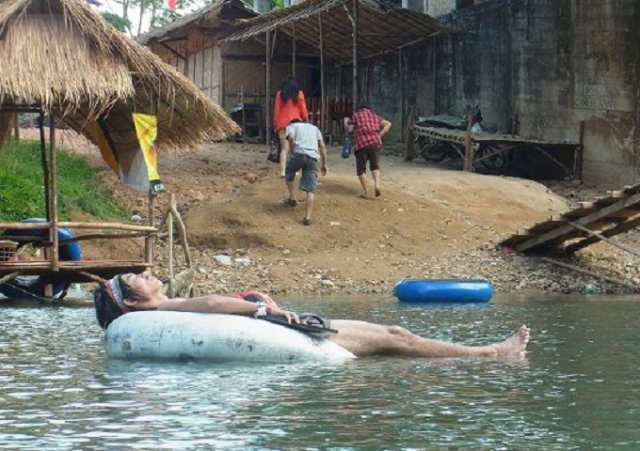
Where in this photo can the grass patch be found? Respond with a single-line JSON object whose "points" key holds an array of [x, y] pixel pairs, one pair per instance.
{"points": [[22, 185]]}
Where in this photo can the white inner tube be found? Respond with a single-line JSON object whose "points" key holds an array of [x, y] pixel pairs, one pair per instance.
{"points": [[165, 335]]}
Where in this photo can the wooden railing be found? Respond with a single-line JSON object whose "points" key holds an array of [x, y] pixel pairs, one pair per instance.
{"points": [[71, 270]]}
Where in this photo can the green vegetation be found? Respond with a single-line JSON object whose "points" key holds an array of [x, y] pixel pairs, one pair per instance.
{"points": [[22, 185]]}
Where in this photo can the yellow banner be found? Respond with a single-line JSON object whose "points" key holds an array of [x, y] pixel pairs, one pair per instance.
{"points": [[147, 131]]}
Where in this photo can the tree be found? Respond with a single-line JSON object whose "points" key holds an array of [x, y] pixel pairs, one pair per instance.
{"points": [[120, 23]]}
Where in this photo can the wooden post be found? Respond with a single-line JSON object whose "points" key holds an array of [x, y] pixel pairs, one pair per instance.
{"points": [[45, 165], [53, 198], [149, 242], [435, 76], [170, 245], [16, 127], [468, 147], [401, 89], [577, 154], [408, 156], [323, 107], [293, 49], [244, 117], [268, 86], [356, 7]]}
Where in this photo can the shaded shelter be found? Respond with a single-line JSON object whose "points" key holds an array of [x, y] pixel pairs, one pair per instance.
{"points": [[232, 73], [345, 31], [62, 59]]}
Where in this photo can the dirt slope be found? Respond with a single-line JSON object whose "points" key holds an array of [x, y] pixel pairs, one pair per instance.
{"points": [[429, 222]]}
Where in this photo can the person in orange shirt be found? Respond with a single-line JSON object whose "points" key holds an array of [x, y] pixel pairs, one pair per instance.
{"points": [[290, 105]]}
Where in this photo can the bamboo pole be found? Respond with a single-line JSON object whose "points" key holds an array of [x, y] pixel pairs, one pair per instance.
{"points": [[9, 277], [244, 115], [77, 225], [268, 86], [54, 194], [401, 89], [605, 239], [182, 232], [148, 241], [171, 293], [589, 273], [323, 107], [43, 160], [92, 277], [355, 54], [16, 127], [468, 147], [409, 152], [293, 49], [94, 237]]}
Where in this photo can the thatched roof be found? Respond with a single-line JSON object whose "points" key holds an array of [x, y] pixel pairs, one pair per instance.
{"points": [[381, 30], [64, 56], [210, 14]]}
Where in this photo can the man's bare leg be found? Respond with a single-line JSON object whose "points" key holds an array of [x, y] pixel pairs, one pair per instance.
{"points": [[367, 339], [376, 181], [363, 183], [284, 153], [311, 197]]}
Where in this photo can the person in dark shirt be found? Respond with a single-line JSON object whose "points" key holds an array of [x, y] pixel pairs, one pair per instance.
{"points": [[367, 129]]}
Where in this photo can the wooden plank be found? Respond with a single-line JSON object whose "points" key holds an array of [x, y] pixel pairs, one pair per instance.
{"points": [[626, 213], [544, 227], [585, 220], [622, 228]]}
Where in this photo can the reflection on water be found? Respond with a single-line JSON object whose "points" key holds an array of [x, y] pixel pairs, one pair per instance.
{"points": [[577, 389]]}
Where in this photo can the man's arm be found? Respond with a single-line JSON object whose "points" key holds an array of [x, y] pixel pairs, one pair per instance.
{"points": [[323, 156], [214, 303], [291, 139], [385, 125]]}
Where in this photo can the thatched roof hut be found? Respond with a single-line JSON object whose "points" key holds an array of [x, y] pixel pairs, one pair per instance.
{"points": [[64, 57]]}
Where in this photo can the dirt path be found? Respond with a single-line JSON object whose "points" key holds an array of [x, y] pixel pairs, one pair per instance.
{"points": [[429, 222]]}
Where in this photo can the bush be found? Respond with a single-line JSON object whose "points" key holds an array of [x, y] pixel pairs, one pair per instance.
{"points": [[22, 185]]}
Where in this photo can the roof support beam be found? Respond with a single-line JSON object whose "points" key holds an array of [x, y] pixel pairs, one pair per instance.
{"points": [[354, 23], [175, 52], [267, 102]]}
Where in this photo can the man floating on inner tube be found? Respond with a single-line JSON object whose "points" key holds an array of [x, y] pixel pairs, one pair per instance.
{"points": [[135, 292]]}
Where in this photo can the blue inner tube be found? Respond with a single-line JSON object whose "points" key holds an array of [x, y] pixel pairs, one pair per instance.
{"points": [[33, 287], [443, 290]]}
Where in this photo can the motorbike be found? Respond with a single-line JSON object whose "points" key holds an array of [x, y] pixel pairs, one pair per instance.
{"points": [[436, 150]]}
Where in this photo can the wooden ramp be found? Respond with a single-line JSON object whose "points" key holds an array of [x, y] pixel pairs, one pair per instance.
{"points": [[590, 223]]}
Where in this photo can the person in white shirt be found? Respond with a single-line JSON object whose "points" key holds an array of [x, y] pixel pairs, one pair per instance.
{"points": [[310, 156]]}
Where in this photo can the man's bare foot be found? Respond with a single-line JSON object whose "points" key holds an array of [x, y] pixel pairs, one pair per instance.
{"points": [[515, 345]]}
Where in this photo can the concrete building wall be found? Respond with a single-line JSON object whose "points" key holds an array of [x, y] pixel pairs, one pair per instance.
{"points": [[437, 8], [538, 68]]}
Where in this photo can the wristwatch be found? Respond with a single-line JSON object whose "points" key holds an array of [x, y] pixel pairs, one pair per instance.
{"points": [[262, 309]]}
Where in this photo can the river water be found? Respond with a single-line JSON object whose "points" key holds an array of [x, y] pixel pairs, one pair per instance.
{"points": [[578, 388]]}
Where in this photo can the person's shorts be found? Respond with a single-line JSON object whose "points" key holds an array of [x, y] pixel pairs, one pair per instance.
{"points": [[371, 153], [310, 168], [282, 133]]}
